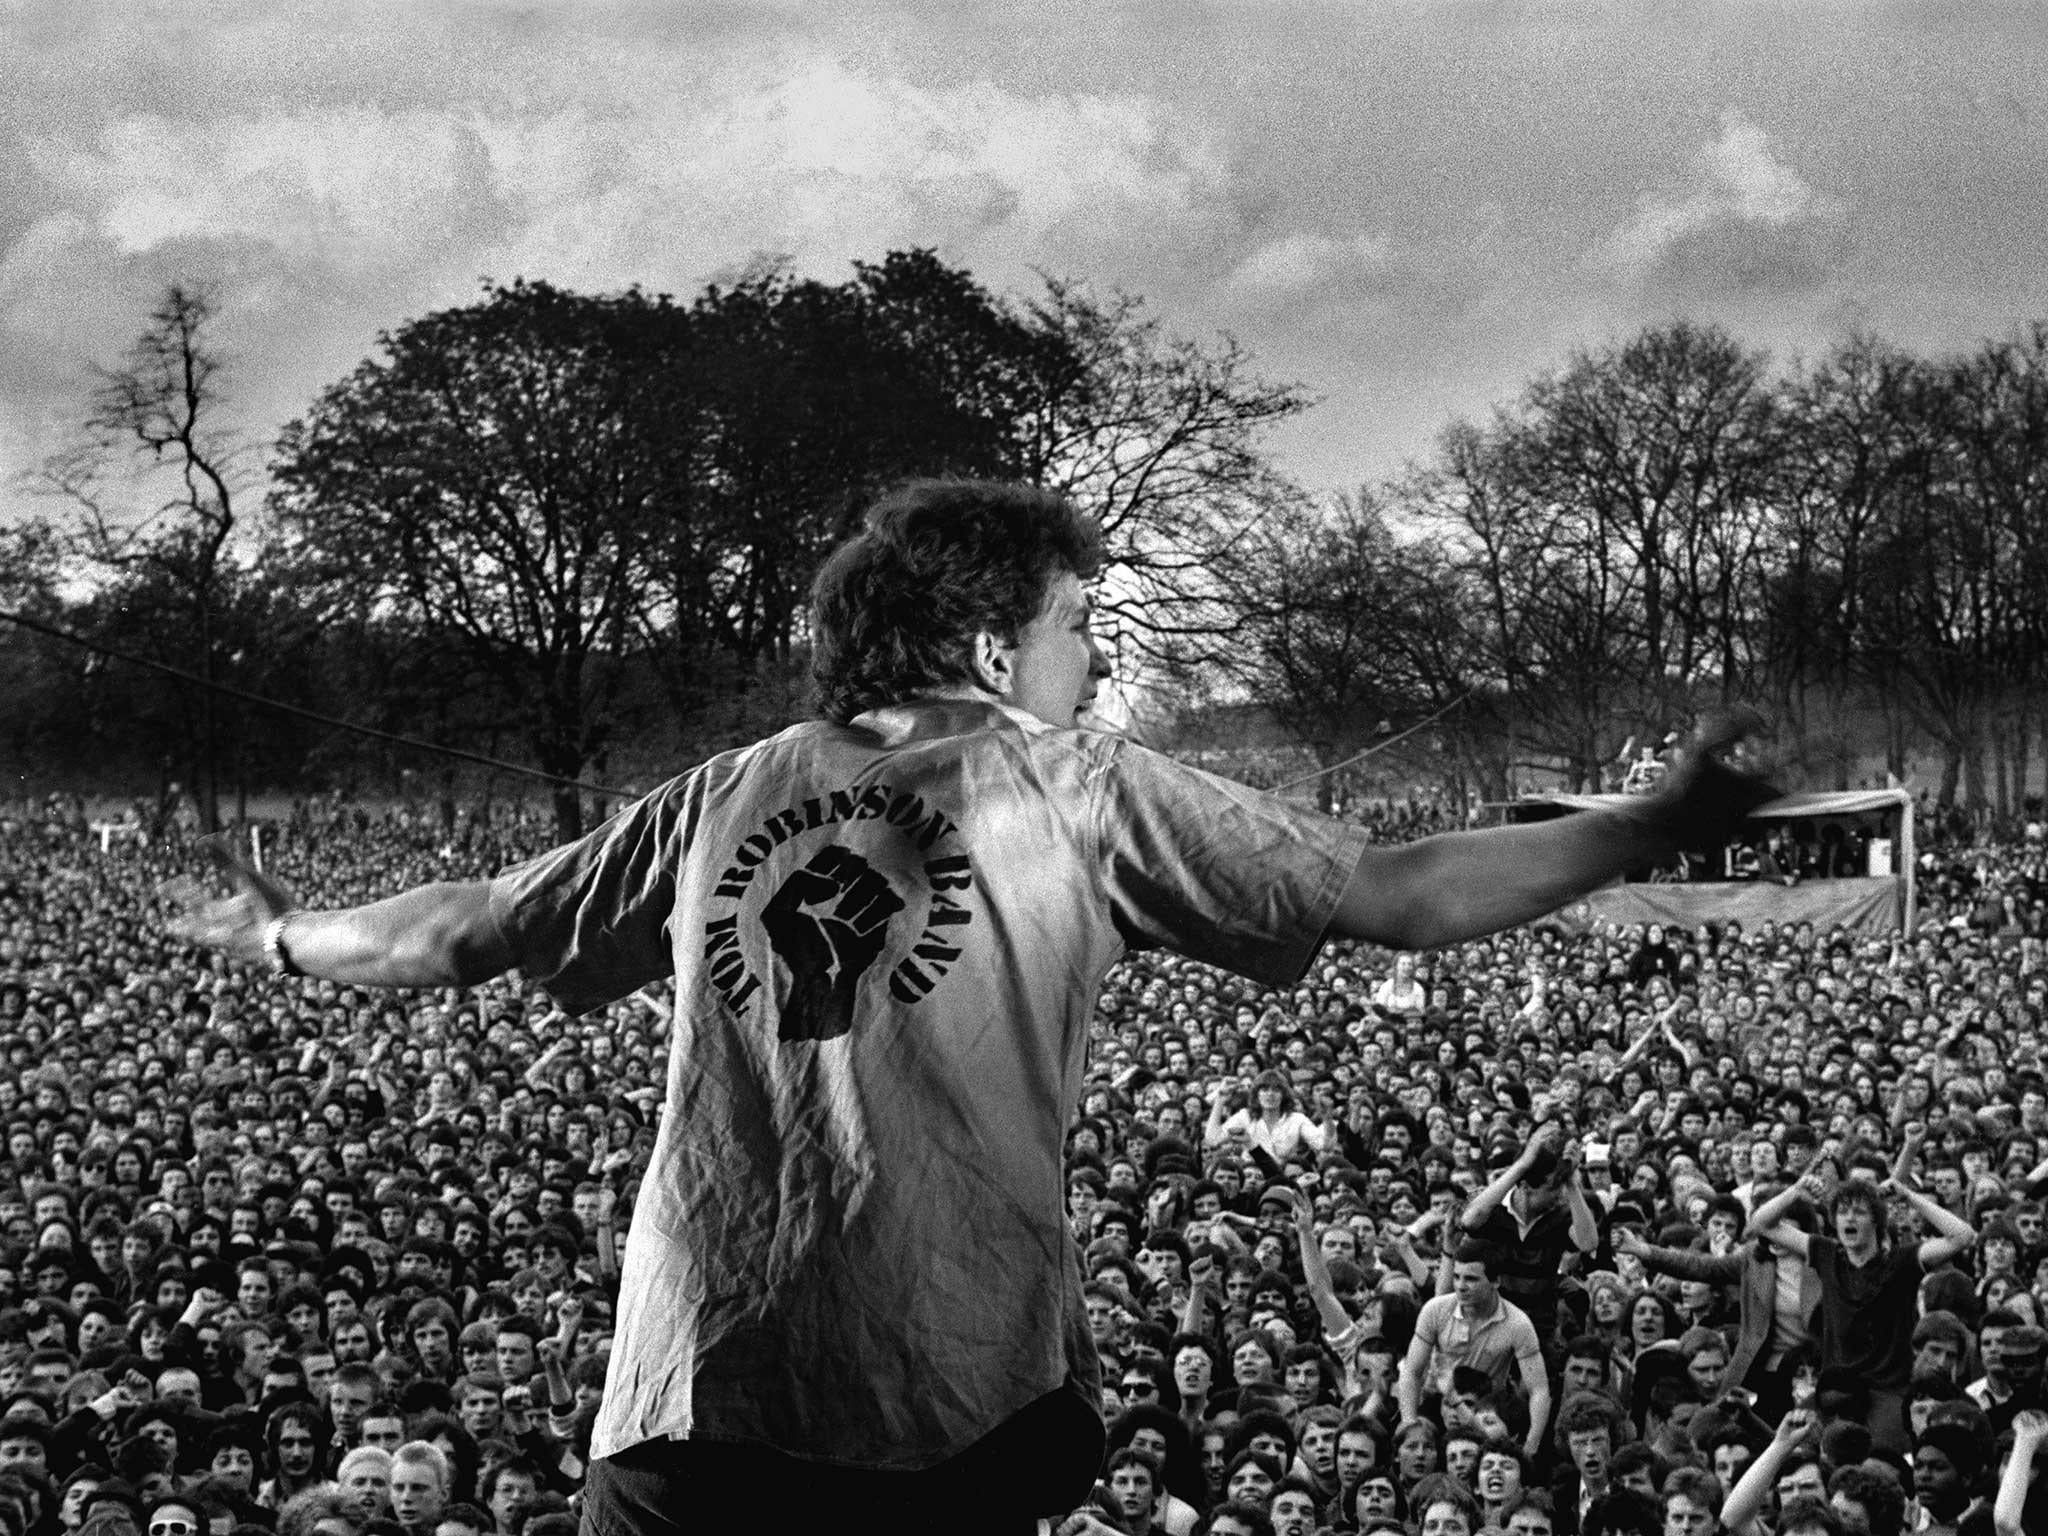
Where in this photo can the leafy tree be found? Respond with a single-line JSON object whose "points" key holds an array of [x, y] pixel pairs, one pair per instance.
{"points": [[499, 479], [583, 494], [805, 400], [38, 705]]}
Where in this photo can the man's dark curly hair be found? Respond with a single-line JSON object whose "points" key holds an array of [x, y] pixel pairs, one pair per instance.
{"points": [[895, 610]]}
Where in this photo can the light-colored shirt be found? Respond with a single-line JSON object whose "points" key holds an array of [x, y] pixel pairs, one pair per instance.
{"points": [[1400, 997], [1282, 1138], [1493, 1343], [1788, 1318], [887, 940]]}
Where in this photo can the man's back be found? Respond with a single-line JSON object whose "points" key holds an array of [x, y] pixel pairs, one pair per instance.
{"points": [[887, 939], [868, 1081]]}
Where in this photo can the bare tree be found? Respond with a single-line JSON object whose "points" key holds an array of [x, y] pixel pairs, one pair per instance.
{"points": [[1162, 439], [1846, 458], [1344, 631], [1556, 648], [152, 479]]}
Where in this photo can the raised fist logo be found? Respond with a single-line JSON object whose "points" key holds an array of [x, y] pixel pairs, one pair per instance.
{"points": [[827, 923]]}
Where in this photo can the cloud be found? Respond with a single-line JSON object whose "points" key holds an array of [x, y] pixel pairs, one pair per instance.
{"points": [[1743, 219], [825, 162], [348, 186], [830, 163], [1310, 264], [1541, 177], [319, 222]]}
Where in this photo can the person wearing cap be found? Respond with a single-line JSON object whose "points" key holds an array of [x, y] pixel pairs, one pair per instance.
{"points": [[1597, 1175], [849, 1204]]}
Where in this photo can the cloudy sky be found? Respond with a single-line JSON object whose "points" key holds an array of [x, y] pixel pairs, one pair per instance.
{"points": [[1410, 209]]}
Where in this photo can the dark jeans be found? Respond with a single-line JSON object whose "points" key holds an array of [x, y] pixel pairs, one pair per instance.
{"points": [[1773, 1389], [1039, 1463]]}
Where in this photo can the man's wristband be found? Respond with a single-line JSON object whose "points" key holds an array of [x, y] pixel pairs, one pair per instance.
{"points": [[274, 951]]}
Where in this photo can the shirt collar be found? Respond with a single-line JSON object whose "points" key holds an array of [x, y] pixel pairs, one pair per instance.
{"points": [[932, 719]]}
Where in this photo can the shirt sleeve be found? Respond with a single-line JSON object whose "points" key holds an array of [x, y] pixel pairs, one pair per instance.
{"points": [[1429, 1324], [1237, 1128], [1216, 870], [588, 919]]}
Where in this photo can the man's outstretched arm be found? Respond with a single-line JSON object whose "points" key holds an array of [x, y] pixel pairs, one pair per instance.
{"points": [[439, 935], [1459, 885]]}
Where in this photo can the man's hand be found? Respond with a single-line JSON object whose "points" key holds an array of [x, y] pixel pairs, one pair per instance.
{"points": [[205, 1303], [1703, 802], [1301, 1210], [2030, 1428], [1909, 1149], [117, 1399], [1085, 1522], [1629, 1241], [517, 1401], [1797, 1424], [234, 923]]}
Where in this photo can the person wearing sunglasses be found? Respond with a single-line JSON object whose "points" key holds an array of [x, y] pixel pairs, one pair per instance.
{"points": [[1147, 1381], [176, 1517]]}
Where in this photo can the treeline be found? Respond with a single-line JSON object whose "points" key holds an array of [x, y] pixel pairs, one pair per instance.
{"points": [[577, 530], [580, 529], [1858, 545]]}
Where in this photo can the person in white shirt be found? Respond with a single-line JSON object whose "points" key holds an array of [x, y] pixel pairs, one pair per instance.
{"points": [[1401, 992], [1271, 1123], [1475, 1325]]}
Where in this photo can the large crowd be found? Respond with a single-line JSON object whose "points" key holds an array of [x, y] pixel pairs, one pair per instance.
{"points": [[1558, 1234]]}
